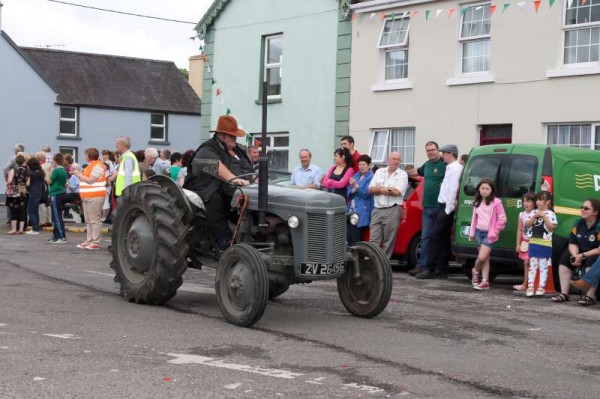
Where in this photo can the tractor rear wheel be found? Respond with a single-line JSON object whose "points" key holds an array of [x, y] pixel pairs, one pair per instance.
{"points": [[149, 243], [242, 284], [368, 295]]}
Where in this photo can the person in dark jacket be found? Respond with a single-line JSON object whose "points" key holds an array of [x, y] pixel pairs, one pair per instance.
{"points": [[36, 187], [216, 194]]}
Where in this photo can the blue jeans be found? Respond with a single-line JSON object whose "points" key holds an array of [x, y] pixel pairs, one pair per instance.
{"points": [[592, 275], [56, 203], [428, 221], [33, 212]]}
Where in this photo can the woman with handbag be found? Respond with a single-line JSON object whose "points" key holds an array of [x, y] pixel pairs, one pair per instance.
{"points": [[16, 195], [36, 187]]}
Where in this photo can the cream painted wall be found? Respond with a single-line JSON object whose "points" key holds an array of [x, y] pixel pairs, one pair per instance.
{"points": [[524, 46]]}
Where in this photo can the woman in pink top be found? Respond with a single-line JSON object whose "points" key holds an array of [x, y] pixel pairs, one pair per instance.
{"points": [[338, 177], [489, 219]]}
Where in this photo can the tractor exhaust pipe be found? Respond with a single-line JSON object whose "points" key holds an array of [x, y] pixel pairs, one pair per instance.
{"points": [[263, 163]]}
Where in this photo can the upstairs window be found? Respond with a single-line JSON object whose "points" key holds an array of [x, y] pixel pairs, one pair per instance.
{"points": [[475, 38], [393, 41], [384, 141], [273, 62], [158, 127], [586, 135], [582, 31], [68, 121]]}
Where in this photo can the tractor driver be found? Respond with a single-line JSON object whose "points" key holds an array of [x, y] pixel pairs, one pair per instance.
{"points": [[217, 195]]}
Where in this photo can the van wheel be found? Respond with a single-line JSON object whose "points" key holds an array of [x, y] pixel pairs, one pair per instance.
{"points": [[469, 265], [414, 251]]}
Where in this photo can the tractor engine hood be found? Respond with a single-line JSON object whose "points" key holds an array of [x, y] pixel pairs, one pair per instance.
{"points": [[307, 200]]}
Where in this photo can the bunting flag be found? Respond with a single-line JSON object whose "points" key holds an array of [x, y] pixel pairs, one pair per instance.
{"points": [[521, 5], [492, 9], [372, 15], [583, 2], [438, 12], [393, 15], [505, 7], [218, 92], [382, 16], [427, 12], [415, 14], [536, 4], [551, 2], [354, 16], [570, 3], [213, 80], [451, 12], [228, 112], [204, 57], [463, 10]]}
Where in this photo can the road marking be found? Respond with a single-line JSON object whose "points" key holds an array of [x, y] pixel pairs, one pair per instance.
{"points": [[209, 361], [233, 386], [2, 325], [38, 378], [365, 388], [100, 273], [62, 336]]}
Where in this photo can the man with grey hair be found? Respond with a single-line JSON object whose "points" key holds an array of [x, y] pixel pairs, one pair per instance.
{"points": [[49, 154], [306, 175], [11, 164], [388, 187], [128, 171], [150, 156], [162, 162]]}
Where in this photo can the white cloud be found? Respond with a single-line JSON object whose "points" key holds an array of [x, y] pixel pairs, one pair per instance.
{"points": [[45, 23]]}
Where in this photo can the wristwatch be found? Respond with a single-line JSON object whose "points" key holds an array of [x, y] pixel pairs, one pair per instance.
{"points": [[583, 257]]}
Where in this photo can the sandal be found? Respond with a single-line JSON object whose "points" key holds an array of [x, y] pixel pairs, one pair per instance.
{"points": [[560, 298], [586, 301], [530, 292], [520, 287]]}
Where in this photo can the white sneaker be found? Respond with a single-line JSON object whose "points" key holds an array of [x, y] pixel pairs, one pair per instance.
{"points": [[32, 232]]}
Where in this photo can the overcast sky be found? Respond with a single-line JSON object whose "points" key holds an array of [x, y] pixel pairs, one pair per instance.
{"points": [[42, 23]]}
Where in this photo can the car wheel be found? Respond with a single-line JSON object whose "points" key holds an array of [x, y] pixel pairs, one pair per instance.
{"points": [[414, 251]]}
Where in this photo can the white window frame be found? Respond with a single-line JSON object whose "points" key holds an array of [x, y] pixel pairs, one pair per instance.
{"points": [[594, 134], [393, 84], [74, 151], [388, 132], [163, 126], [575, 27], [273, 65], [462, 40], [271, 142], [68, 120]]}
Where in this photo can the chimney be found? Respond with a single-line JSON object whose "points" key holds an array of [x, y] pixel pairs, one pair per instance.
{"points": [[195, 76]]}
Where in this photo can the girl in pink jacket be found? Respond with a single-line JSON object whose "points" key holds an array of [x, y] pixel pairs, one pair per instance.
{"points": [[489, 219]]}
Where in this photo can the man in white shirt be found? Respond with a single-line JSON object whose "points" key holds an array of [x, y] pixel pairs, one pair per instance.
{"points": [[439, 240], [306, 175], [388, 187]]}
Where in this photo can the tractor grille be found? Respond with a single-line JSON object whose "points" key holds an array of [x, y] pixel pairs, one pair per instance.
{"points": [[326, 238]]}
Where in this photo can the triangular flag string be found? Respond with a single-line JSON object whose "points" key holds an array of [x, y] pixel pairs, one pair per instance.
{"points": [[551, 2], [536, 4], [451, 12], [492, 9], [505, 7]]}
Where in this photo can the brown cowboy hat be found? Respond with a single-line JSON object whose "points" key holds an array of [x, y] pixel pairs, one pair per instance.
{"points": [[228, 125]]}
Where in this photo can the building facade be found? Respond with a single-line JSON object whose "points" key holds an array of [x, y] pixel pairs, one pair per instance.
{"points": [[302, 48], [73, 101], [473, 73]]}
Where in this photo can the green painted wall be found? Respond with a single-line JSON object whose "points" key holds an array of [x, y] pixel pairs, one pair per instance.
{"points": [[308, 109]]}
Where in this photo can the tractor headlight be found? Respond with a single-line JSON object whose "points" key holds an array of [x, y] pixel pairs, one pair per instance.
{"points": [[293, 222], [353, 218]]}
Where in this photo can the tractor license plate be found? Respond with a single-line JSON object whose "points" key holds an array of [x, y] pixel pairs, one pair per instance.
{"points": [[322, 269]]}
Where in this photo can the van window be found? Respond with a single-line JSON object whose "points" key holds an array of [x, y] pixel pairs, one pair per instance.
{"points": [[480, 167], [521, 173]]}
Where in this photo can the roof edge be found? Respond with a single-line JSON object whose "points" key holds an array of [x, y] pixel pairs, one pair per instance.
{"points": [[210, 16], [28, 60], [96, 54]]}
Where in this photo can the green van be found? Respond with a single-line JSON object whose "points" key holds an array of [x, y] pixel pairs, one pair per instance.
{"points": [[571, 174]]}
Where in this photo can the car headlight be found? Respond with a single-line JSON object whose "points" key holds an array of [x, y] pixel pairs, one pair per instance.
{"points": [[354, 218], [293, 222]]}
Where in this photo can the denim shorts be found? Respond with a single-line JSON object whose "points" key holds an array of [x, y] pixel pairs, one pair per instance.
{"points": [[481, 238]]}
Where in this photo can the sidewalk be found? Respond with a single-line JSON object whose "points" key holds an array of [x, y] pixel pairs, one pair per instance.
{"points": [[69, 227]]}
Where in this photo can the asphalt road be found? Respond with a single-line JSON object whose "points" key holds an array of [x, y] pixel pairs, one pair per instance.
{"points": [[65, 332]]}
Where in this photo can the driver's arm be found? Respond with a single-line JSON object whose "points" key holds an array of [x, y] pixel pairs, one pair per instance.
{"points": [[225, 173]]}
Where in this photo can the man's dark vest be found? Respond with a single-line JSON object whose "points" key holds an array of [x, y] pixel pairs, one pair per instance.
{"points": [[206, 185]]}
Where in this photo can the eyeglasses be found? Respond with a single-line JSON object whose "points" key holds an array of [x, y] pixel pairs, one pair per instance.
{"points": [[585, 208]]}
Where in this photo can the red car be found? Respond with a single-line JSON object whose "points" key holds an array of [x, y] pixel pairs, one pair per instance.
{"points": [[408, 240]]}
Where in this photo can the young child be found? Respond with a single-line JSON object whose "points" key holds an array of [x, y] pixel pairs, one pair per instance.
{"points": [[523, 235], [489, 219], [542, 225]]}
